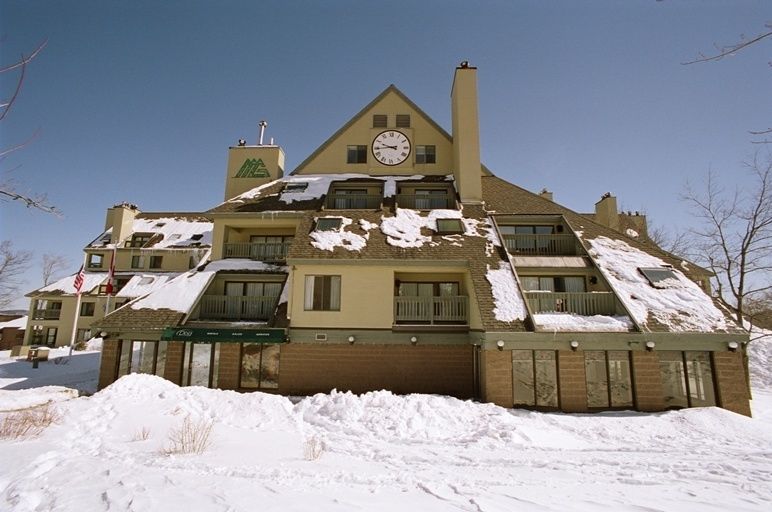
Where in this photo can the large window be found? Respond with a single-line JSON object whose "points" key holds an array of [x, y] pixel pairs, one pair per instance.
{"points": [[608, 378], [95, 261], [251, 300], [430, 199], [425, 154], [687, 379], [200, 364], [440, 289], [322, 293], [553, 284], [259, 366], [51, 336], [269, 248], [535, 378], [139, 240], [356, 154], [142, 357]]}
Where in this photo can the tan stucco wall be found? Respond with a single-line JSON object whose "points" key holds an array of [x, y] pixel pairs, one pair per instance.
{"points": [[272, 157]]}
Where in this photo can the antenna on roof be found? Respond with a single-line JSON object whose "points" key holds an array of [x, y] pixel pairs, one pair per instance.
{"points": [[262, 124]]}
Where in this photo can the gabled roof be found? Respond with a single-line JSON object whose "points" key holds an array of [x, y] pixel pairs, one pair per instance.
{"points": [[169, 231]]}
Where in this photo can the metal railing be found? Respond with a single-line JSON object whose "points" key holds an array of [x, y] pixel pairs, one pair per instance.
{"points": [[46, 314], [432, 310], [425, 202], [224, 307], [352, 202], [260, 251], [584, 304], [543, 245]]}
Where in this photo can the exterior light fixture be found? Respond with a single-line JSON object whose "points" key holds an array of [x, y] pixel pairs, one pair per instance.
{"points": [[500, 344], [733, 345], [650, 345], [574, 345], [351, 339], [413, 340]]}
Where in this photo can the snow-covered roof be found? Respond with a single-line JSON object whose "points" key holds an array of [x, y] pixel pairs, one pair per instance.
{"points": [[171, 232], [142, 284], [576, 323], [66, 285], [509, 303], [681, 305], [18, 323]]}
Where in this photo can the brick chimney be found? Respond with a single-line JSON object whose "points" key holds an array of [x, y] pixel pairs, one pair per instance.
{"points": [[466, 134], [606, 211]]}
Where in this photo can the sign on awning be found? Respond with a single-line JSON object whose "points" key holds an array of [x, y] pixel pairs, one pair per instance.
{"points": [[198, 334]]}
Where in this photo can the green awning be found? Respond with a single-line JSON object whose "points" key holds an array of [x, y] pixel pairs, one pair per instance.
{"points": [[197, 334]]}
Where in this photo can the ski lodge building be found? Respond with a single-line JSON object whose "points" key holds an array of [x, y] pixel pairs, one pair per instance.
{"points": [[391, 258]]}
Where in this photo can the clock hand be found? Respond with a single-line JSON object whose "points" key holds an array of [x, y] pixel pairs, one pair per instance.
{"points": [[385, 146]]}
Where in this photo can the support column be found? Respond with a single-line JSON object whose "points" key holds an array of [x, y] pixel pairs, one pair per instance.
{"points": [[496, 377], [573, 382], [647, 382], [108, 365], [175, 351], [729, 374], [228, 368]]}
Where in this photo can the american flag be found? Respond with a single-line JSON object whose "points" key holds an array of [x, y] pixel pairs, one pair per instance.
{"points": [[78, 283]]}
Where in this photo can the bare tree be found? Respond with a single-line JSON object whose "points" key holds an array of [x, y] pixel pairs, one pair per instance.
{"points": [[13, 263], [8, 188], [53, 266], [727, 50], [735, 239], [673, 242]]}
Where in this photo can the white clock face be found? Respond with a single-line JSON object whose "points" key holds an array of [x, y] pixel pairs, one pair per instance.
{"points": [[391, 147]]}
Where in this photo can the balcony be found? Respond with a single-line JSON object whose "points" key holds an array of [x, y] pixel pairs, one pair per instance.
{"points": [[338, 201], [431, 310], [237, 308], [584, 304], [260, 251], [542, 245], [46, 314], [426, 201]]}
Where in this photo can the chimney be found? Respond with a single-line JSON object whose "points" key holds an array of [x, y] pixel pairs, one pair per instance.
{"points": [[467, 169], [121, 218], [546, 194], [252, 166], [606, 211]]}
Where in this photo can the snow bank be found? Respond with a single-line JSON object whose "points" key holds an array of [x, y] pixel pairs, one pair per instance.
{"points": [[509, 304], [26, 398], [681, 304], [575, 323]]}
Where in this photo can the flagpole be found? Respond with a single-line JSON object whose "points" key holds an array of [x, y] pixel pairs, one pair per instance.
{"points": [[110, 279], [78, 288], [75, 322]]}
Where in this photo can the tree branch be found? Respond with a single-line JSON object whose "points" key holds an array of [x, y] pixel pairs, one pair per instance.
{"points": [[724, 51]]}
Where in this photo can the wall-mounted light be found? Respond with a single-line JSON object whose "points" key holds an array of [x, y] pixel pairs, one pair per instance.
{"points": [[500, 344], [413, 340], [103, 334], [574, 345], [650, 345], [733, 346], [593, 280], [351, 339]]}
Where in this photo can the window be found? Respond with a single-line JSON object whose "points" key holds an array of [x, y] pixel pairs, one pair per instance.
{"points": [[349, 199], [197, 236], [259, 366], [328, 223], [146, 280], [139, 240], [403, 120], [426, 199], [439, 289], [296, 186], [449, 226], [322, 293], [174, 236], [608, 380], [535, 378], [200, 364], [379, 120], [660, 277], [356, 154], [95, 260], [83, 335], [51, 336], [687, 379], [425, 154], [156, 261], [572, 284], [37, 335], [137, 262], [120, 282], [251, 300], [142, 357], [47, 310], [87, 309], [269, 247]]}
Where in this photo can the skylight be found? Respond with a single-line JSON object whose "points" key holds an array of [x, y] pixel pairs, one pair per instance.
{"points": [[299, 186], [449, 226], [659, 277], [328, 223]]}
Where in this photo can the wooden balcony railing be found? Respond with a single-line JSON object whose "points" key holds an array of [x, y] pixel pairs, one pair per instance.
{"points": [[542, 245], [425, 202], [223, 307], [352, 202], [260, 251], [431, 310], [46, 314], [584, 304]]}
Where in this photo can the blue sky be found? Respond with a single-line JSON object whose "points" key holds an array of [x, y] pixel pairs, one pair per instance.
{"points": [[138, 101]]}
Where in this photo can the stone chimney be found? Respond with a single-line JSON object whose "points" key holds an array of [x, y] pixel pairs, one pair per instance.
{"points": [[467, 169], [121, 218], [252, 166], [606, 211]]}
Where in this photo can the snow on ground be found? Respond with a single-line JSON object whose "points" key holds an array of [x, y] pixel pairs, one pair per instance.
{"points": [[680, 304], [380, 452], [80, 371]]}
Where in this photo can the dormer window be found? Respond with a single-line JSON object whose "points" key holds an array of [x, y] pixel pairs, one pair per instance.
{"points": [[95, 260], [403, 120], [297, 186], [197, 237], [140, 239], [174, 236], [351, 196], [328, 223], [659, 277], [160, 224]]}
